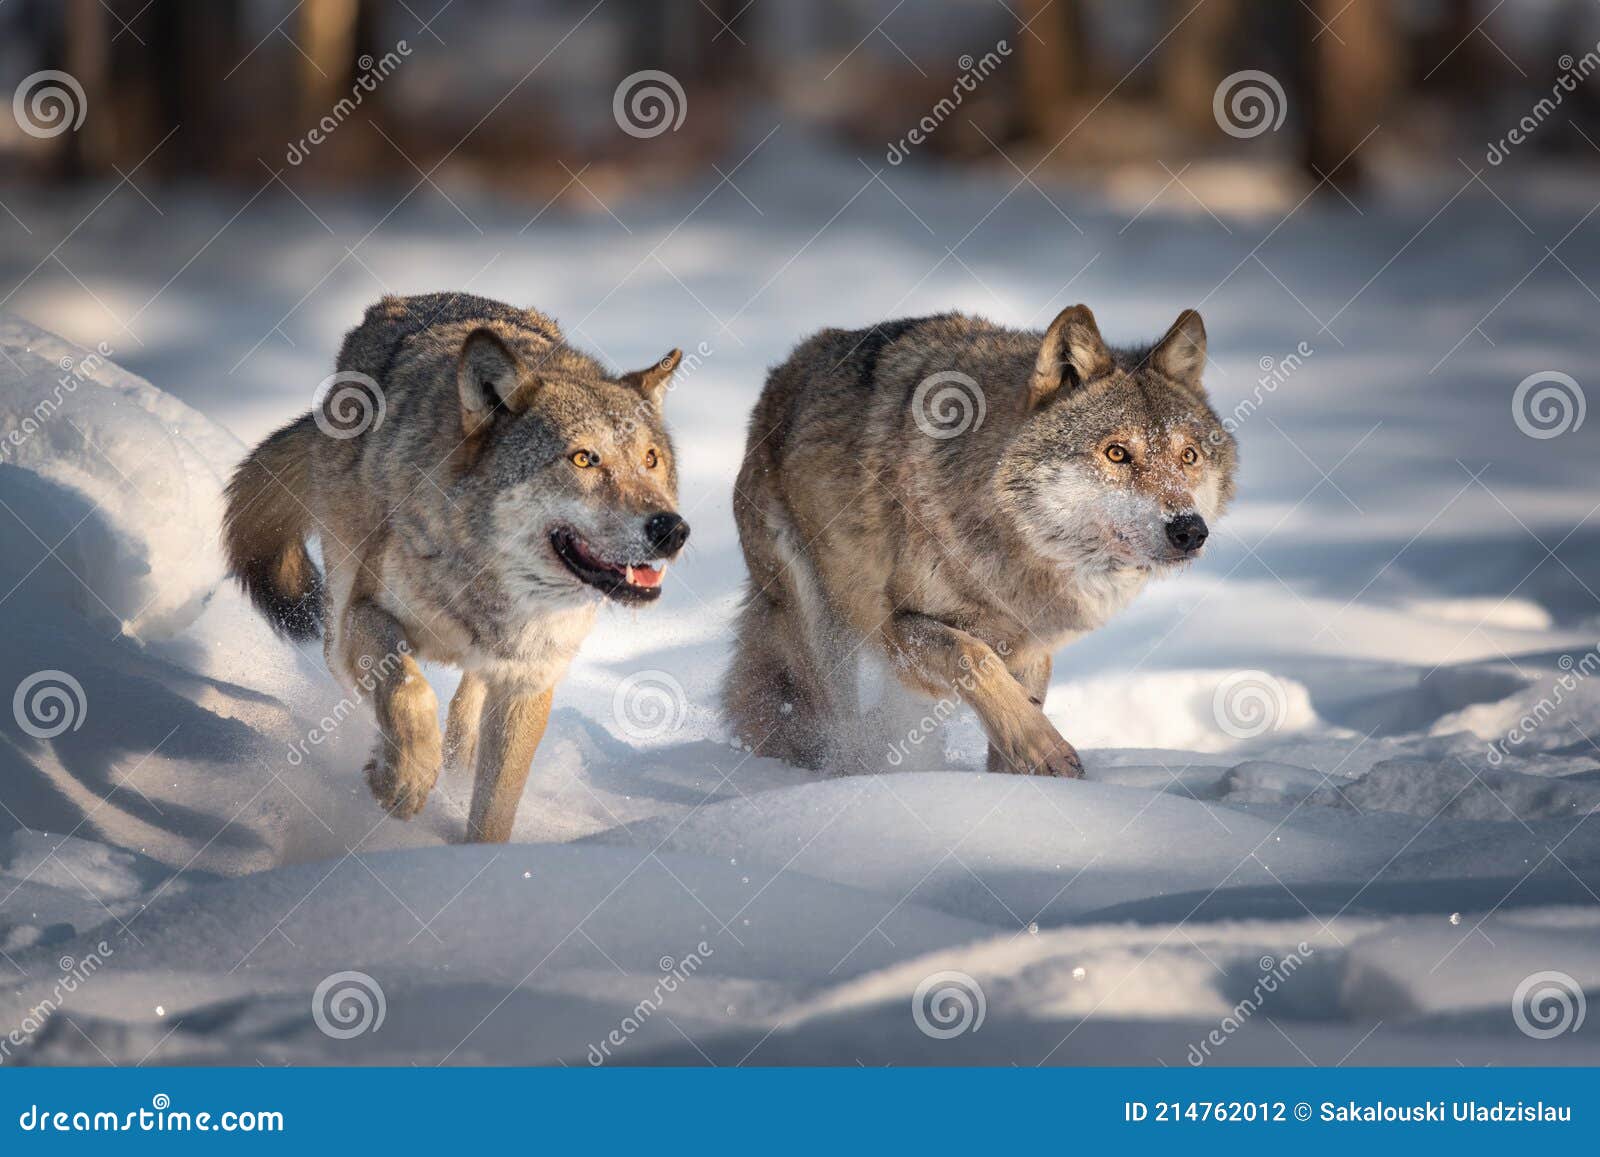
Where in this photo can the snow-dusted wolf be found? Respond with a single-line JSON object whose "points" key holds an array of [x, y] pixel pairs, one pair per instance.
{"points": [[960, 499], [478, 488]]}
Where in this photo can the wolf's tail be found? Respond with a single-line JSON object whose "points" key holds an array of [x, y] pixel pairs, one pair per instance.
{"points": [[264, 531]]}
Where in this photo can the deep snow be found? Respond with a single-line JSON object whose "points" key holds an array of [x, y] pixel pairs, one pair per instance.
{"points": [[1405, 577]]}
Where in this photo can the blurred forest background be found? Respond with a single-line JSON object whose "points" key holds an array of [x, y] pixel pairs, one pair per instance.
{"points": [[475, 92]]}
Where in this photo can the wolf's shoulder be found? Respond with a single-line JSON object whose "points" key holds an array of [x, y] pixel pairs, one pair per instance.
{"points": [[431, 325], [417, 312], [852, 357]]}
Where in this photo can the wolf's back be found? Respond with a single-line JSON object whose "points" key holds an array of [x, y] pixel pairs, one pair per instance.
{"points": [[265, 527]]}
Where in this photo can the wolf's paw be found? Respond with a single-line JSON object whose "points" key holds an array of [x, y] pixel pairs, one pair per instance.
{"points": [[1061, 762], [400, 787], [1045, 753]]}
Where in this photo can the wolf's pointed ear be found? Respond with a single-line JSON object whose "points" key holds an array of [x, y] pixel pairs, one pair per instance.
{"points": [[487, 375], [652, 382], [1072, 352], [1181, 355]]}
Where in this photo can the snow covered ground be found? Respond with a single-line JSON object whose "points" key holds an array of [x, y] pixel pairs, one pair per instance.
{"points": [[1340, 772]]}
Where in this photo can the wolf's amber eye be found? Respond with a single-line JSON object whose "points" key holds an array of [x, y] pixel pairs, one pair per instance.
{"points": [[1190, 456], [1117, 453], [584, 459], [651, 460]]}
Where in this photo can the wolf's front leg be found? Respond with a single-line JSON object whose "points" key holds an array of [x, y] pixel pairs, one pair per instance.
{"points": [[514, 719], [405, 766], [941, 660], [1032, 673], [462, 722]]}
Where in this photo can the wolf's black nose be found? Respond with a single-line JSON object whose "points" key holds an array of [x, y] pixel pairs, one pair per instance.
{"points": [[1187, 532], [667, 532]]}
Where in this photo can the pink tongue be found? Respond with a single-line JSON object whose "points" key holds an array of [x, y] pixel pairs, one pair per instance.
{"points": [[642, 576]]}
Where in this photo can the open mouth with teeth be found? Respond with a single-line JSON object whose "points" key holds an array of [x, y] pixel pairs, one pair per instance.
{"points": [[626, 582]]}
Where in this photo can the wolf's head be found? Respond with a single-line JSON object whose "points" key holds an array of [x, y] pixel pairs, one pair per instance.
{"points": [[575, 468], [1120, 461]]}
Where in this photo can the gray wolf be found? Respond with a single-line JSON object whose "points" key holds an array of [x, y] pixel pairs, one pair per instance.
{"points": [[959, 500], [479, 488]]}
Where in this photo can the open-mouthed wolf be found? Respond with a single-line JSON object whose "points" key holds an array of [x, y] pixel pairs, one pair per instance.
{"points": [[478, 488], [960, 500]]}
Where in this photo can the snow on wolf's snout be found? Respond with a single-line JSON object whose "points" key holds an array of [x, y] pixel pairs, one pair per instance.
{"points": [[479, 488], [960, 499]]}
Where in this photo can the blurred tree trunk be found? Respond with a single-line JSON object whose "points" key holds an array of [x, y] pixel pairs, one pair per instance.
{"points": [[1195, 61], [88, 61], [190, 54], [328, 30], [1353, 67], [1051, 50]]}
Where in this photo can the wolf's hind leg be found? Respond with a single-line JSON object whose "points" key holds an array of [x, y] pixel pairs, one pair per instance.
{"points": [[774, 694], [462, 720], [783, 694], [405, 765], [514, 719]]}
